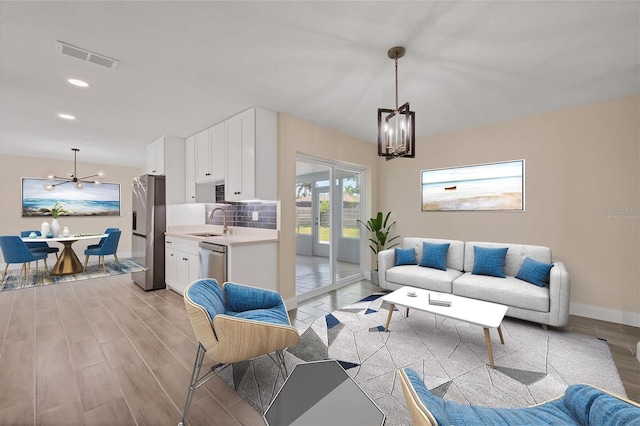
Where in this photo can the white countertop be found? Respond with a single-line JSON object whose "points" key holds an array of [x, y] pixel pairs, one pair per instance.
{"points": [[238, 235]]}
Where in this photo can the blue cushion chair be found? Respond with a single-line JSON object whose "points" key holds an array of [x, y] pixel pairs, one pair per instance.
{"points": [[103, 239], [580, 405], [39, 246], [235, 323], [110, 246], [14, 250]]}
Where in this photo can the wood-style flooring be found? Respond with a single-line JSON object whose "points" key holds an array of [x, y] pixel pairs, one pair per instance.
{"points": [[104, 352]]}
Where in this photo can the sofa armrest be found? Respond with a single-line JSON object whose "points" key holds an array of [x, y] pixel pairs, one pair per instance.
{"points": [[386, 260], [559, 295]]}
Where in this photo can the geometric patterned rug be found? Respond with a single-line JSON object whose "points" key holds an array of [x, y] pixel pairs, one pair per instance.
{"points": [[15, 278], [533, 365]]}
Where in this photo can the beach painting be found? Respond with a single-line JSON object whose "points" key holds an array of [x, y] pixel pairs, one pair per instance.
{"points": [[92, 200], [494, 186]]}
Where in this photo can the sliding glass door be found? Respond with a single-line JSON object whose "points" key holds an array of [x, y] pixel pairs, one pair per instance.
{"points": [[328, 240]]}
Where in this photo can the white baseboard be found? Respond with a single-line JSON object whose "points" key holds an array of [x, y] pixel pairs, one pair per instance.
{"points": [[291, 303], [605, 314]]}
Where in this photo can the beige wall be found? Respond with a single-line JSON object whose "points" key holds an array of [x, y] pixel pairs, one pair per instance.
{"points": [[12, 168], [582, 167], [297, 136]]}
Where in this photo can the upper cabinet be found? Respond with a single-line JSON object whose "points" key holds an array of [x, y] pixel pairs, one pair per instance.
{"points": [[251, 153], [156, 157], [190, 170], [166, 157], [210, 154]]}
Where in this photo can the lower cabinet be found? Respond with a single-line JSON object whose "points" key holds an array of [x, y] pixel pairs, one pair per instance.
{"points": [[181, 263]]}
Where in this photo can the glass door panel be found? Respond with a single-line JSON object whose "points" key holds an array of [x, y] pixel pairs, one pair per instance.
{"points": [[347, 212]]}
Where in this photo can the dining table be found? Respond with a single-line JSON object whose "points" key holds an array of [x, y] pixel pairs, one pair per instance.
{"points": [[68, 262]]}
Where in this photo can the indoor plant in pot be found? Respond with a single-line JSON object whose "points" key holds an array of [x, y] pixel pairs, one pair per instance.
{"points": [[380, 228], [57, 210]]}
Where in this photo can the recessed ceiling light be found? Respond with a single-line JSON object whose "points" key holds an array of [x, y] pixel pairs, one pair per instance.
{"points": [[78, 83], [66, 116]]}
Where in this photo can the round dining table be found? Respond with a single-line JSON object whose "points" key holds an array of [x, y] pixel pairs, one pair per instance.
{"points": [[68, 262]]}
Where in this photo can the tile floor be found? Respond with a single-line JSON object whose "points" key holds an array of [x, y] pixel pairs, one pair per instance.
{"points": [[104, 352]]}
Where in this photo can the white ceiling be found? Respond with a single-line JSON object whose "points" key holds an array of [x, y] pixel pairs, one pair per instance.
{"points": [[187, 65]]}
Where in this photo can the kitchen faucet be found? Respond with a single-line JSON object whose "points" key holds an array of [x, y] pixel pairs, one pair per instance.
{"points": [[225, 228]]}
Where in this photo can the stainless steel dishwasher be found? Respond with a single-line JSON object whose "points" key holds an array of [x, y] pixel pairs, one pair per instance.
{"points": [[213, 261]]}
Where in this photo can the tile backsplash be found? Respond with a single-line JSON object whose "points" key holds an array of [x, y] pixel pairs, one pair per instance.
{"points": [[241, 214]]}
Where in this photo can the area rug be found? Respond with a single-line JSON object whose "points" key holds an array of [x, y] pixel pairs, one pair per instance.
{"points": [[533, 365], [15, 278]]}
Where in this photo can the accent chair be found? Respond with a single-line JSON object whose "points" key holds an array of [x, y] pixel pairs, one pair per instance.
{"points": [[233, 323], [39, 246], [580, 405], [110, 246], [14, 250], [103, 239]]}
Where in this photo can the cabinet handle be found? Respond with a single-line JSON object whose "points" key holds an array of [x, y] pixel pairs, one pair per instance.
{"points": [[207, 174], [193, 196], [237, 193], [184, 258]]}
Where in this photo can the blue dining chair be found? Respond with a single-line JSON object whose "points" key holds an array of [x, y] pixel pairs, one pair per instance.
{"points": [[39, 246], [14, 250], [110, 246], [103, 239]]}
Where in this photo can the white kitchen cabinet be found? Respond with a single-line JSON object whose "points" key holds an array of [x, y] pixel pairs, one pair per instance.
{"points": [[169, 263], [210, 154], [156, 157], [251, 154], [183, 264], [166, 157], [190, 170]]}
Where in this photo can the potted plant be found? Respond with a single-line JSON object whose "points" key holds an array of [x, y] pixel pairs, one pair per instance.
{"points": [[380, 228], [57, 210]]}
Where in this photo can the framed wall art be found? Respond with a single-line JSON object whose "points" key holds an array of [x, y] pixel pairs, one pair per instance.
{"points": [[92, 200], [493, 186]]}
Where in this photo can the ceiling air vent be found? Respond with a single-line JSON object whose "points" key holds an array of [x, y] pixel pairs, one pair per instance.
{"points": [[85, 55]]}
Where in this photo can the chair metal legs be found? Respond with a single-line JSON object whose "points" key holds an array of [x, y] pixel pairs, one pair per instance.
{"points": [[278, 359], [196, 381]]}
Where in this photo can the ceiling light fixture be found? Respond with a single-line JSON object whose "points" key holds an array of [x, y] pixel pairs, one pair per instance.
{"points": [[396, 127], [53, 181], [67, 116], [78, 83]]}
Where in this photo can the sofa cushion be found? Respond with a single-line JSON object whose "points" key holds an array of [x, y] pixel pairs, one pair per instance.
{"points": [[591, 406], [534, 272], [508, 291], [489, 261], [427, 278], [405, 256], [455, 254], [515, 255], [434, 255]]}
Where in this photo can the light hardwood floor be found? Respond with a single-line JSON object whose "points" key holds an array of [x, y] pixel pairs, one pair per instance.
{"points": [[105, 352]]}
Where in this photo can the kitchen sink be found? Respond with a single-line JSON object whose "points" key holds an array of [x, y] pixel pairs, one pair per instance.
{"points": [[205, 234]]}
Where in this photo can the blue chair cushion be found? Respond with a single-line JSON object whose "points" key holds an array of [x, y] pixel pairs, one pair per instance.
{"points": [[581, 405], [434, 255], [208, 294], [489, 261], [534, 272], [591, 406], [255, 304]]}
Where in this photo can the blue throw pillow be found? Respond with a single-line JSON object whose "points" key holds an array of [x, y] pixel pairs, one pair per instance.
{"points": [[434, 255], [405, 256], [489, 261], [534, 272]]}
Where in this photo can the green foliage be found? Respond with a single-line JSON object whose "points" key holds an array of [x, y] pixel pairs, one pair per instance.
{"points": [[58, 209], [380, 229], [325, 206]]}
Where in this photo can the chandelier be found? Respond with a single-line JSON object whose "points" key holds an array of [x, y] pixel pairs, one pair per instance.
{"points": [[396, 127], [54, 181]]}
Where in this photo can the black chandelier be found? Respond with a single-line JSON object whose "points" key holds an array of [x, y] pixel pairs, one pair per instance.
{"points": [[396, 127], [53, 181]]}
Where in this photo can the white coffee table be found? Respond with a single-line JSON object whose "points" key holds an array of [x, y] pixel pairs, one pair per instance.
{"points": [[485, 314]]}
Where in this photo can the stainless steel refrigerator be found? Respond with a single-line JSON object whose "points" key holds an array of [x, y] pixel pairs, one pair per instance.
{"points": [[148, 225]]}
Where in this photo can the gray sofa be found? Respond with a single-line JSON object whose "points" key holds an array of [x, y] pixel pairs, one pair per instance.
{"points": [[548, 305]]}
